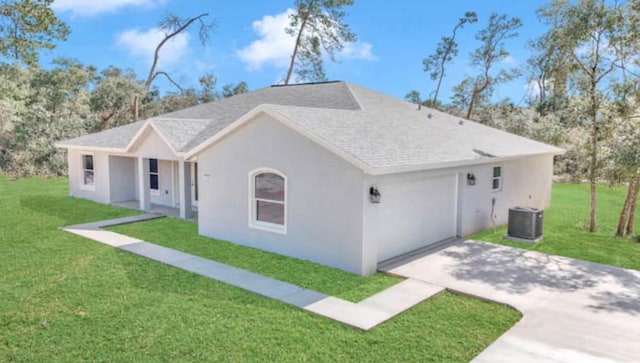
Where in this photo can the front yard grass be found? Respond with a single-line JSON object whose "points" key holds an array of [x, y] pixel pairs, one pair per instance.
{"points": [[65, 298], [183, 236], [566, 228]]}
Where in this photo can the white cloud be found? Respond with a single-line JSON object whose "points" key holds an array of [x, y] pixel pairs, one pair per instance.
{"points": [[358, 51], [142, 44], [94, 7], [509, 60], [274, 45]]}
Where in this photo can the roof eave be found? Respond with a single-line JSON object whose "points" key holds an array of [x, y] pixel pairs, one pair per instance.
{"points": [[89, 148], [457, 163]]}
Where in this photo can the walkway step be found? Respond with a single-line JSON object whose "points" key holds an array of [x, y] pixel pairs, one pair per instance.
{"points": [[346, 312], [402, 296]]}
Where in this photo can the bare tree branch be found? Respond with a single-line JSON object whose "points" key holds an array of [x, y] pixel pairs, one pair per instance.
{"points": [[180, 27], [163, 73]]}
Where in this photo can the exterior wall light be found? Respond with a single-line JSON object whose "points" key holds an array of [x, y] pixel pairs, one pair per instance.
{"points": [[471, 179], [374, 195]]}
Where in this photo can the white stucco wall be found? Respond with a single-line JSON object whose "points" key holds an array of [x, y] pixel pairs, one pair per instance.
{"points": [[101, 189], [324, 195], [116, 179], [525, 182], [122, 178], [151, 145], [164, 195]]}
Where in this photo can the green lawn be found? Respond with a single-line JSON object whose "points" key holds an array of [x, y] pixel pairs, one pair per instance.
{"points": [[65, 298], [183, 236], [566, 228]]}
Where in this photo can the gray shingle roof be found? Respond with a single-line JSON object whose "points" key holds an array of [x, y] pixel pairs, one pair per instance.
{"points": [[203, 121], [377, 130], [179, 132], [388, 132], [116, 138]]}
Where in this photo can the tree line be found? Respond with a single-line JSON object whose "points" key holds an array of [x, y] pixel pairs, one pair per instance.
{"points": [[585, 76], [584, 70], [39, 106]]}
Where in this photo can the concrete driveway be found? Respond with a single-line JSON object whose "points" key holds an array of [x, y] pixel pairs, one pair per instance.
{"points": [[573, 311]]}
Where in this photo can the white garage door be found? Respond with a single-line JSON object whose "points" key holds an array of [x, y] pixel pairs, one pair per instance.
{"points": [[416, 213]]}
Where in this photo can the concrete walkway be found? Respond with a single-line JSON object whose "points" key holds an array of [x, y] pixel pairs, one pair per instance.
{"points": [[363, 315], [573, 311]]}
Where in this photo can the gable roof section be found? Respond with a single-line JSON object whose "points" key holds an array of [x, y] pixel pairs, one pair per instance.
{"points": [[272, 111], [333, 95], [186, 129], [115, 139]]}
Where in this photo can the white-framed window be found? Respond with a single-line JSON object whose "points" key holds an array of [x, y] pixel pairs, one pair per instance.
{"points": [[154, 176], [268, 200], [88, 173], [496, 180]]}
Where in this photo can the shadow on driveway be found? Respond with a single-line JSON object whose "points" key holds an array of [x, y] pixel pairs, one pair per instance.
{"points": [[519, 271]]}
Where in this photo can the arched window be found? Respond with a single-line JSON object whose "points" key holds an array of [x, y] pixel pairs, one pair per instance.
{"points": [[268, 209]]}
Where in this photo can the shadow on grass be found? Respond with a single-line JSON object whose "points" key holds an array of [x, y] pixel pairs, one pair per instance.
{"points": [[72, 211], [520, 271]]}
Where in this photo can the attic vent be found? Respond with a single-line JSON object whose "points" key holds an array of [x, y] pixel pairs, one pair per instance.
{"points": [[483, 154], [429, 116]]}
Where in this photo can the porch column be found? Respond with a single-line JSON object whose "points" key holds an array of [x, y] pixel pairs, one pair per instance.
{"points": [[144, 191], [185, 189]]}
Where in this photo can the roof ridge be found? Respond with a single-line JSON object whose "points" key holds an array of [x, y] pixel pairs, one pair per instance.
{"points": [[353, 95], [178, 119], [305, 83]]}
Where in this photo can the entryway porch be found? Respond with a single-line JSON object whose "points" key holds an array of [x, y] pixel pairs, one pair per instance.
{"points": [[173, 212]]}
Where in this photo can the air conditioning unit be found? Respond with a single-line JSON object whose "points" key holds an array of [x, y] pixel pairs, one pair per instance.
{"points": [[525, 224]]}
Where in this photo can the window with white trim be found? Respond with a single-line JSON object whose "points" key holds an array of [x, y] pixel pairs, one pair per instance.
{"points": [[154, 176], [268, 200], [496, 180], [88, 173]]}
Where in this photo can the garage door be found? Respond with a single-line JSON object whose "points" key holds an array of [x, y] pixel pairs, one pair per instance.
{"points": [[416, 213]]}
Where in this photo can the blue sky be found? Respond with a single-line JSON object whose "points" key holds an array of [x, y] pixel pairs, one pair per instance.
{"points": [[249, 43]]}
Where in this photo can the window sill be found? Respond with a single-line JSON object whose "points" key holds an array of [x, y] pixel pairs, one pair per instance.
{"points": [[154, 192], [268, 227]]}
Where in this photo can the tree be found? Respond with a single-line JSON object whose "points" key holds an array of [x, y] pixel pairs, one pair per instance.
{"points": [[208, 93], [26, 27], [625, 155], [446, 50], [232, 90], [491, 51], [597, 39], [414, 97], [113, 98], [319, 29], [174, 25], [37, 108]]}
